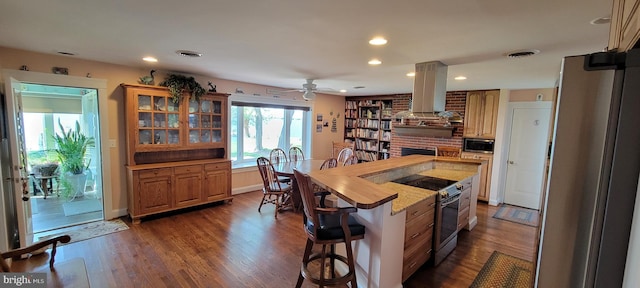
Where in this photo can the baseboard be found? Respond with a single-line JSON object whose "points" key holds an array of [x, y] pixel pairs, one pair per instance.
{"points": [[119, 213], [472, 223], [246, 189], [493, 203]]}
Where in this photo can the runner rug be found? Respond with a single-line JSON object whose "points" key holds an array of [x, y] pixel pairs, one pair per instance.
{"points": [[518, 214], [502, 270], [88, 230]]}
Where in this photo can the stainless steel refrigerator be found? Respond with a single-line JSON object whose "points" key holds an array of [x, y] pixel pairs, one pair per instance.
{"points": [[593, 177]]}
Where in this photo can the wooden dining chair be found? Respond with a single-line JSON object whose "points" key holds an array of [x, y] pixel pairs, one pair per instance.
{"points": [[329, 163], [17, 254], [448, 151], [344, 154], [351, 160], [295, 154], [277, 155], [273, 190], [327, 226]]}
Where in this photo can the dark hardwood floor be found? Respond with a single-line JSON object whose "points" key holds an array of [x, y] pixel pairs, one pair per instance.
{"points": [[232, 245]]}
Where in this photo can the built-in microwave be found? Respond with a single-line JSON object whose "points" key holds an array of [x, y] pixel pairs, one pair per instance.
{"points": [[478, 145]]}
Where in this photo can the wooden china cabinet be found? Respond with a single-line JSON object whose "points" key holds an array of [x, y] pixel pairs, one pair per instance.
{"points": [[176, 152]]}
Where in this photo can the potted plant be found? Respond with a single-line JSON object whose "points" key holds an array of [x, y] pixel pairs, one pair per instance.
{"points": [[71, 149], [178, 84]]}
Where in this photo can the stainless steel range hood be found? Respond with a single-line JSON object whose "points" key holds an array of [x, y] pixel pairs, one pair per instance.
{"points": [[429, 89], [427, 103]]}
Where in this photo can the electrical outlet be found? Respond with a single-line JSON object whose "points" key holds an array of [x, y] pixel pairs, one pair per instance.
{"points": [[539, 97], [112, 143]]}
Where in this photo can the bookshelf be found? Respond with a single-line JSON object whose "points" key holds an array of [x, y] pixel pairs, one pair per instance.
{"points": [[368, 125]]}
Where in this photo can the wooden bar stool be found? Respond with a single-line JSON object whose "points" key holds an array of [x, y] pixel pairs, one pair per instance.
{"points": [[327, 226]]}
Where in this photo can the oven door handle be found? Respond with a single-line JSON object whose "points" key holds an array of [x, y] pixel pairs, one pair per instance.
{"points": [[454, 199]]}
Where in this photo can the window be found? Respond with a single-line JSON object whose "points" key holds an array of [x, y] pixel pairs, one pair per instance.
{"points": [[259, 125]]}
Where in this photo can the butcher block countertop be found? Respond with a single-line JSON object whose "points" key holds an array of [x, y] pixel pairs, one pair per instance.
{"points": [[366, 185]]}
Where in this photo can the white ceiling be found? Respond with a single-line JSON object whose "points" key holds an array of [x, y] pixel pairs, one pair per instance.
{"points": [[282, 42]]}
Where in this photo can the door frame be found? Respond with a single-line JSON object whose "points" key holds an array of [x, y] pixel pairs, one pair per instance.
{"points": [[74, 81], [507, 138]]}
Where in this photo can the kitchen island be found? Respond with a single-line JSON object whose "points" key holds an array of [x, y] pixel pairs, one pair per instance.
{"points": [[382, 207]]}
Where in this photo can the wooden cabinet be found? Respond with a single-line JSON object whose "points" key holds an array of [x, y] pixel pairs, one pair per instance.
{"points": [[418, 236], [625, 25], [485, 173], [481, 114], [368, 125], [217, 181], [175, 151], [154, 188], [188, 188]]}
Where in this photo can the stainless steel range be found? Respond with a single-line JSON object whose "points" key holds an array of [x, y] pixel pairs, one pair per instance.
{"points": [[447, 205]]}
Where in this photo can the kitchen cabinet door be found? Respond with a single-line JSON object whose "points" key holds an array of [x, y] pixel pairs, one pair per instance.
{"points": [[188, 188], [472, 113], [217, 180], [154, 194], [489, 114]]}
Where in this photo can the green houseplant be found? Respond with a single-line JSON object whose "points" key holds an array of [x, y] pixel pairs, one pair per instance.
{"points": [[71, 150], [178, 84]]}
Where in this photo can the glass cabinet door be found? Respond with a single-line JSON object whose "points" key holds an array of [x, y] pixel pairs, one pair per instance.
{"points": [[205, 121], [158, 120]]}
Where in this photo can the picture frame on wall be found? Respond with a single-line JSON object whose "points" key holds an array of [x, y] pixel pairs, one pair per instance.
{"points": [[319, 117], [319, 127]]}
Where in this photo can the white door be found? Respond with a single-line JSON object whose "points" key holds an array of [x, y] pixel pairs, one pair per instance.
{"points": [[527, 154], [20, 175]]}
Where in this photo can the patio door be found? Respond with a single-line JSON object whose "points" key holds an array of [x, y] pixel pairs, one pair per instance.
{"points": [[19, 174], [88, 101]]}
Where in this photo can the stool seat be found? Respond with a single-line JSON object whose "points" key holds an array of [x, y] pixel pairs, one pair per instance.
{"points": [[331, 229]]}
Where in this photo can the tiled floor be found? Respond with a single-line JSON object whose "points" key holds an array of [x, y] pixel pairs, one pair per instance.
{"points": [[48, 214]]}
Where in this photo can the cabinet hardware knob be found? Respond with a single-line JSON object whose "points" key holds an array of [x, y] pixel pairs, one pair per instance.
{"points": [[415, 235], [431, 225]]}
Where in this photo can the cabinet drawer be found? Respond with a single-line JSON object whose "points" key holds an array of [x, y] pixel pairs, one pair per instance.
{"points": [[414, 259], [187, 169], [217, 166], [154, 173], [420, 208], [465, 199], [419, 230], [463, 218]]}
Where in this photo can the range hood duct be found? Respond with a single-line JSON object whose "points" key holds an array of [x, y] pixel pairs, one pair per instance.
{"points": [[429, 89]]}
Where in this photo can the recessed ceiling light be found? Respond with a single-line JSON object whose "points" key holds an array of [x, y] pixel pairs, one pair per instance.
{"points": [[66, 53], [150, 59], [187, 53], [375, 62], [378, 41], [522, 53], [343, 90], [411, 74], [601, 20], [460, 78]]}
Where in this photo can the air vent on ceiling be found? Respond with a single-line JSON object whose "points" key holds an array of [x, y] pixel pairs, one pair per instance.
{"points": [[522, 53], [187, 53]]}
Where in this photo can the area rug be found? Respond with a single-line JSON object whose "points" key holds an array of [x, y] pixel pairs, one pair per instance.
{"points": [[89, 230], [81, 206], [518, 214], [502, 270]]}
